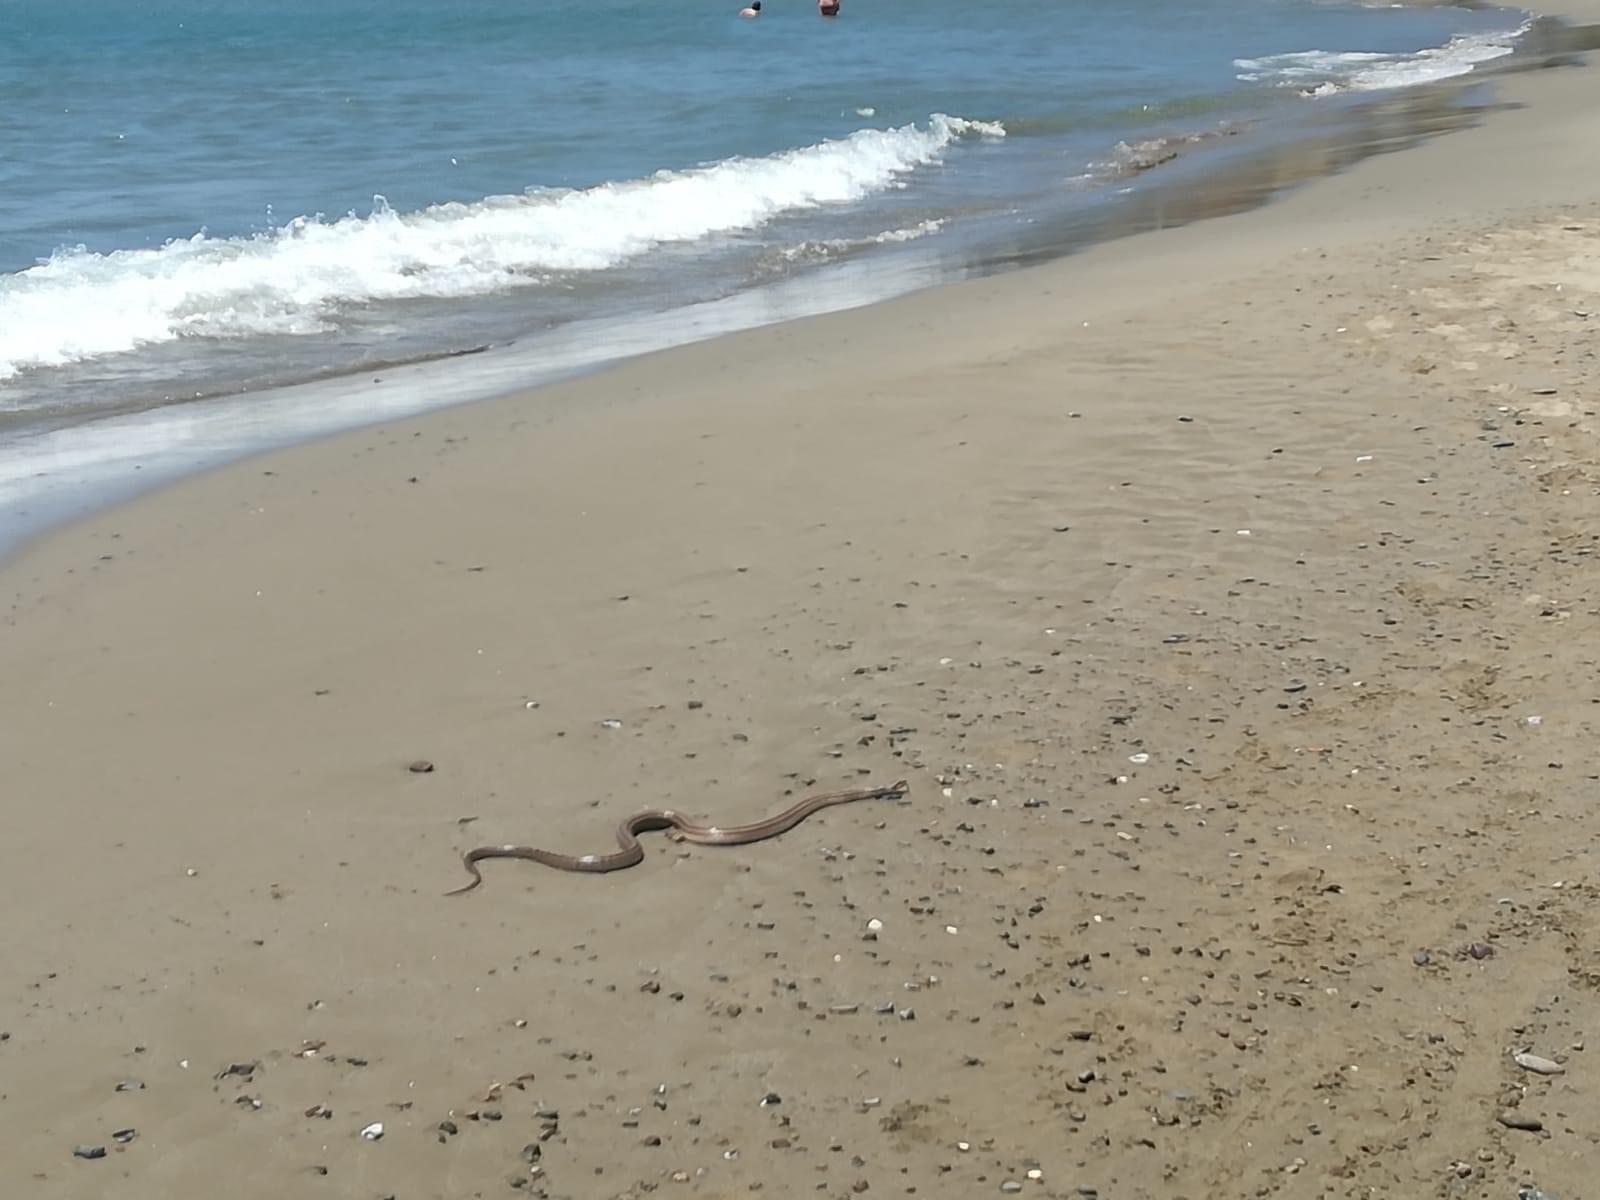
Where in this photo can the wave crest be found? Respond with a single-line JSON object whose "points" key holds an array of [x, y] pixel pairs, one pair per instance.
{"points": [[295, 279]]}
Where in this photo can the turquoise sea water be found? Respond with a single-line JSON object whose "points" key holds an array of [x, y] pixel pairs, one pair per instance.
{"points": [[203, 197]]}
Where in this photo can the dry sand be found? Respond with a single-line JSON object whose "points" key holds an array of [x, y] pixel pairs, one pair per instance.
{"points": [[1226, 595]]}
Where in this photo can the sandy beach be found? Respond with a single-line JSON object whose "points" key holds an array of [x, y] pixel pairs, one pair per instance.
{"points": [[1225, 595]]}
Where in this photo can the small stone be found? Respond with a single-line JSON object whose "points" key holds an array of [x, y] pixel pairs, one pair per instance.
{"points": [[1538, 1065], [1481, 950], [875, 925], [1421, 958], [1512, 1119], [680, 1177], [770, 1099], [421, 767], [1010, 1187], [611, 723], [533, 1152], [123, 1136], [373, 1132], [131, 1085], [90, 1152]]}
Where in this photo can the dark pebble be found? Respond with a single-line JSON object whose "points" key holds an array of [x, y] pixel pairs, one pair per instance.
{"points": [[421, 767], [88, 1151], [1421, 958], [124, 1136], [771, 1098], [1481, 950], [1515, 1120]]}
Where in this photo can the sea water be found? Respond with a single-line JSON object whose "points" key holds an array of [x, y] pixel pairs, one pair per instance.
{"points": [[217, 198]]}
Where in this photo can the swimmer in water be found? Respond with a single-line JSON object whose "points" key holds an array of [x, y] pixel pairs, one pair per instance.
{"points": [[753, 11], [828, 8]]}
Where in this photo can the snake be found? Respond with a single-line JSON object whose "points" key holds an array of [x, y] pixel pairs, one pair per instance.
{"points": [[680, 829]]}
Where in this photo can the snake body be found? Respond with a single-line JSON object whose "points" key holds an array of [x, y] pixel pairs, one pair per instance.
{"points": [[682, 829]]}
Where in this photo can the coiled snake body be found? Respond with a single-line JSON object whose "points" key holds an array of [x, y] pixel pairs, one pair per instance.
{"points": [[680, 828]]}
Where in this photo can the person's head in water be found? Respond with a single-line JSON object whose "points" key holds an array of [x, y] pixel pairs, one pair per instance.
{"points": [[754, 10], [828, 8]]}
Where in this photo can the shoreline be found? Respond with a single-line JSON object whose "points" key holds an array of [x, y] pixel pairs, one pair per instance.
{"points": [[1221, 591], [57, 476]]}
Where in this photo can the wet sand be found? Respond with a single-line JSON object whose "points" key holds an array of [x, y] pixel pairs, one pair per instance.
{"points": [[1224, 595]]}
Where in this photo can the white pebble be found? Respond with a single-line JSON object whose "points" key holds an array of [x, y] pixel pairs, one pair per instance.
{"points": [[1538, 1065]]}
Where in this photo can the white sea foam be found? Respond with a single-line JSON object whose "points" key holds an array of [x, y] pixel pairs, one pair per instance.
{"points": [[831, 247], [295, 279], [1326, 72]]}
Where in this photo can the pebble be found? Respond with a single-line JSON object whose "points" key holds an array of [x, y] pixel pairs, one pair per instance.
{"points": [[1481, 950], [1010, 1187], [373, 1132], [611, 723], [89, 1152], [770, 1099], [123, 1136], [1515, 1120], [1538, 1065], [421, 767], [874, 925], [1421, 958], [131, 1085]]}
